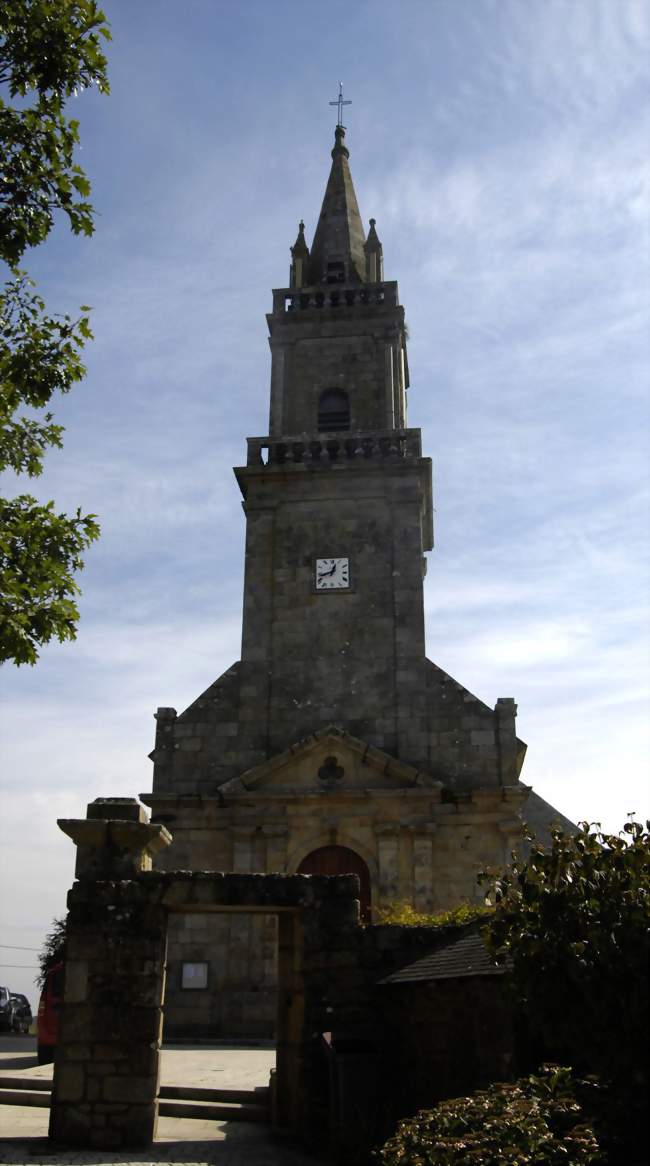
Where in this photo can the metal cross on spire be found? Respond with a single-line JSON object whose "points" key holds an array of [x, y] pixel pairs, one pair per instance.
{"points": [[340, 102]]}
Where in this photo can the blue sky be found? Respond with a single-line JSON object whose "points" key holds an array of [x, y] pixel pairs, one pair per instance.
{"points": [[502, 146]]}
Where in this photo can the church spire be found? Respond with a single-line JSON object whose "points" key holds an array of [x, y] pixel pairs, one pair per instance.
{"points": [[337, 253]]}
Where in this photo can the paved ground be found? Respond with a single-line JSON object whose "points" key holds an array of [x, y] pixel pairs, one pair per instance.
{"points": [[186, 1141]]}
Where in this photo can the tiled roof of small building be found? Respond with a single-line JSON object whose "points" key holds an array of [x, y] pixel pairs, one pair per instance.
{"points": [[465, 956]]}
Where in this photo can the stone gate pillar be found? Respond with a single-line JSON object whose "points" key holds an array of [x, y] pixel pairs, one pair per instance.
{"points": [[107, 1061]]}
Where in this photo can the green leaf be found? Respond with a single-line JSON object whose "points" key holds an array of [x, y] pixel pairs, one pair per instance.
{"points": [[40, 551], [49, 49], [39, 354], [575, 919]]}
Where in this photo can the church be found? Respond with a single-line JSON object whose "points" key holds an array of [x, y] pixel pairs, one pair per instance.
{"points": [[334, 745]]}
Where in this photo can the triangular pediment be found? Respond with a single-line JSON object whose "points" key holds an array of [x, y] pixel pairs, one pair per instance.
{"points": [[330, 760]]}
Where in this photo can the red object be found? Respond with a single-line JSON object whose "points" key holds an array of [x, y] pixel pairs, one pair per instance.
{"points": [[49, 1005]]}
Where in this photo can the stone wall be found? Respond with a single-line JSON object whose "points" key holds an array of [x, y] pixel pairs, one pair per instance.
{"points": [[225, 732], [353, 658], [470, 745], [208, 743], [357, 349], [108, 1057]]}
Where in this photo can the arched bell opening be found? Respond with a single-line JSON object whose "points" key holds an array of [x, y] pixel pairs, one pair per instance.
{"points": [[338, 860], [333, 411]]}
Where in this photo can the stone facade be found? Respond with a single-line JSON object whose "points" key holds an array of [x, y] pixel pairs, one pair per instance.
{"points": [[419, 843], [334, 729]]}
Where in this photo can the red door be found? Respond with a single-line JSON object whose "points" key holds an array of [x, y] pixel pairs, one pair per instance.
{"points": [[337, 860]]}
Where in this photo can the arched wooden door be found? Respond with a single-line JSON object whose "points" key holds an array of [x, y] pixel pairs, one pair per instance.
{"points": [[337, 860]]}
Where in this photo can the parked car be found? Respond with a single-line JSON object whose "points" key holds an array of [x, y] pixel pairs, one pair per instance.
{"points": [[5, 1010], [47, 1021], [21, 1013]]}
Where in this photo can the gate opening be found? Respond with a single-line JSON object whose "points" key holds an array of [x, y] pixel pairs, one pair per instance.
{"points": [[221, 977]]}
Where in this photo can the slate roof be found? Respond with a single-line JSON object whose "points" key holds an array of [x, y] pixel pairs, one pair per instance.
{"points": [[465, 956], [540, 816]]}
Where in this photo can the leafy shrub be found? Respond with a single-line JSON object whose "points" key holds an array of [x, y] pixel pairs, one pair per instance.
{"points": [[404, 914], [536, 1121], [52, 951], [574, 919]]}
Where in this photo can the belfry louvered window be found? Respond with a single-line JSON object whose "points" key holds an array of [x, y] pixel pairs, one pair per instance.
{"points": [[333, 411], [336, 272]]}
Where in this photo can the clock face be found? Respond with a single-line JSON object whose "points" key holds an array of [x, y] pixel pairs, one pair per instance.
{"points": [[332, 574]]}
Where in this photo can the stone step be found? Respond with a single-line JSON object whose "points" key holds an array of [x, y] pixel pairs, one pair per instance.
{"points": [[201, 1093], [42, 1083], [23, 1097], [175, 1100], [208, 1111]]}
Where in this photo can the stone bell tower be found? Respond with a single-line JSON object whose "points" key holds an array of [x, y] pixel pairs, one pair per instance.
{"points": [[337, 501], [333, 745]]}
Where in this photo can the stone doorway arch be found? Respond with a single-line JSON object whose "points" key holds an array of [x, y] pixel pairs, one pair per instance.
{"points": [[338, 860]]}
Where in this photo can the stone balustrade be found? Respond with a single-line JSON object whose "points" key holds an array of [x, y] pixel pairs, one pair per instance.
{"points": [[328, 448], [334, 295]]}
